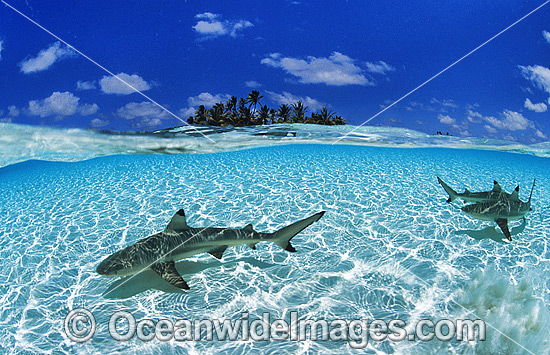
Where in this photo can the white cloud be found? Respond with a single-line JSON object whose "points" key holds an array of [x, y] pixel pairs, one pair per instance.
{"points": [[446, 103], [446, 119], [1, 47], [6, 120], [60, 104], [238, 26], [289, 99], [111, 85], [379, 67], [207, 16], [86, 85], [143, 114], [88, 109], [207, 28], [490, 129], [46, 58], [540, 107], [546, 36], [13, 111], [510, 121], [537, 74], [143, 109], [207, 99], [337, 70], [211, 26], [96, 123], [540, 134], [184, 113], [474, 117], [252, 84]]}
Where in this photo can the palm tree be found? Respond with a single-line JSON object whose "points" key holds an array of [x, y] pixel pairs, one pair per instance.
{"points": [[325, 115], [229, 105], [220, 107], [238, 112], [272, 113], [338, 120], [241, 104], [314, 118], [232, 104], [283, 113], [298, 112], [217, 115], [265, 114], [254, 98], [245, 116], [200, 115]]}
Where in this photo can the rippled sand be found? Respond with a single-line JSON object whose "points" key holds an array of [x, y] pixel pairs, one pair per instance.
{"points": [[388, 247]]}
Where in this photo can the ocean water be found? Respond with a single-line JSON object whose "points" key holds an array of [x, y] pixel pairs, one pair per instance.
{"points": [[389, 246]]}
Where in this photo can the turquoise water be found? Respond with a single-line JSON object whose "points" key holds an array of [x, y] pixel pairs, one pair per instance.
{"points": [[389, 246]]}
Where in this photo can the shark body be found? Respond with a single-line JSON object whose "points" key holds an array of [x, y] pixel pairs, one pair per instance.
{"points": [[494, 195], [178, 241], [500, 211]]}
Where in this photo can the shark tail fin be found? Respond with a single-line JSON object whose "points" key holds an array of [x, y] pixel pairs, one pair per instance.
{"points": [[531, 195], [283, 236], [452, 193]]}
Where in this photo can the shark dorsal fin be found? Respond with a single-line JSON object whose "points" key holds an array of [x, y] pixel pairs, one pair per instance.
{"points": [[248, 228], [178, 223], [466, 191], [515, 194], [496, 186]]}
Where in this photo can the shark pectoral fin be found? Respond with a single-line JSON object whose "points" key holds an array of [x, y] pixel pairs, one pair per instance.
{"points": [[167, 270], [287, 247], [503, 224], [496, 186], [217, 253], [178, 223]]}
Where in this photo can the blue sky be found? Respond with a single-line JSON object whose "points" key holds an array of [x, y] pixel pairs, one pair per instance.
{"points": [[355, 57]]}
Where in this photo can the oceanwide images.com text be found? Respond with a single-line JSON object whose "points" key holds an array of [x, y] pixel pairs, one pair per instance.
{"points": [[80, 326]]}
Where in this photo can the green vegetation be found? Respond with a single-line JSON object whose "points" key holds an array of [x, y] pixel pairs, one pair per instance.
{"points": [[247, 112]]}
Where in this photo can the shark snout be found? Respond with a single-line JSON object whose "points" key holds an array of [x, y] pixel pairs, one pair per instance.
{"points": [[109, 267], [102, 268]]}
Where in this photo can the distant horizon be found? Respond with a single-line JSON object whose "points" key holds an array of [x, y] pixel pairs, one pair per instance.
{"points": [[351, 127], [354, 58]]}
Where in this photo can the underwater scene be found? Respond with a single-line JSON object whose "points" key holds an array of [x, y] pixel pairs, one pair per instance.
{"points": [[389, 246], [274, 177]]}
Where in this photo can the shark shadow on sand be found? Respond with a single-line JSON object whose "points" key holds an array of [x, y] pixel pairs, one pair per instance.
{"points": [[491, 233], [128, 287]]}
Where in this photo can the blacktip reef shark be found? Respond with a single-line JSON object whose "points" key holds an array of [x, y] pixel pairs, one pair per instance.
{"points": [[484, 196], [160, 251], [501, 211]]}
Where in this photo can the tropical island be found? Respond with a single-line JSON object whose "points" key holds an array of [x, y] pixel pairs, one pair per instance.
{"points": [[239, 112]]}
